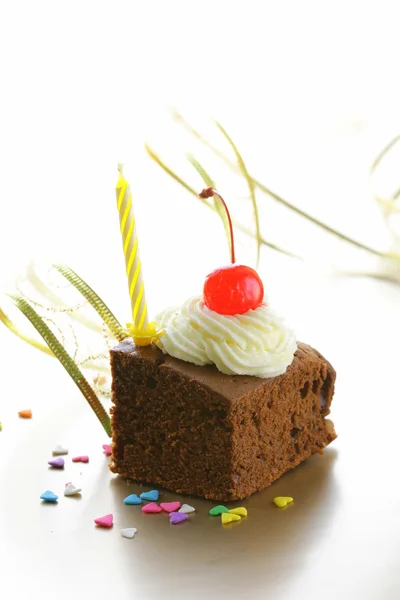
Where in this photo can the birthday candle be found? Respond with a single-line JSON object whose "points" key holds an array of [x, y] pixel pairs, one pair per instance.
{"points": [[131, 252]]}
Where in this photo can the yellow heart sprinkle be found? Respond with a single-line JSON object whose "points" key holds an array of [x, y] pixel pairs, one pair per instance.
{"points": [[228, 518], [283, 501], [241, 510]]}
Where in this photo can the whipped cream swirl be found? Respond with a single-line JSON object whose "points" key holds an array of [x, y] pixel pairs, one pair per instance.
{"points": [[256, 343]]}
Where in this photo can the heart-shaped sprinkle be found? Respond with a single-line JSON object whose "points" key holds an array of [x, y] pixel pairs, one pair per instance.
{"points": [[152, 496], [25, 414], [129, 532], [59, 450], [57, 463], [132, 499], [241, 510], [71, 490], [151, 508], [228, 518], [282, 501], [218, 510], [49, 496], [177, 517], [105, 521], [186, 508], [83, 459], [170, 506], [107, 449]]}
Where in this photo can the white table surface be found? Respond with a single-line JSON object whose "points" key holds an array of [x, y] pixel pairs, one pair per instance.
{"points": [[339, 539]]}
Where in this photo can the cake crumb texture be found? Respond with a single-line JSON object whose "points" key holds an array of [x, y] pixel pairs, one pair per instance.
{"points": [[196, 431]]}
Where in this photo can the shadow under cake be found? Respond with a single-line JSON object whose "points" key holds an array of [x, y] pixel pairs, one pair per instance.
{"points": [[194, 430]]}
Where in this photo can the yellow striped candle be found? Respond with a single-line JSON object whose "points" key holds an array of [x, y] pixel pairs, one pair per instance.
{"points": [[140, 327]]}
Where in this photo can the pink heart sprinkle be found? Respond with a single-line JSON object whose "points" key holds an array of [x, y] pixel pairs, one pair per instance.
{"points": [[107, 449], [68, 483], [151, 508], [177, 517], [105, 521], [83, 459], [170, 506]]}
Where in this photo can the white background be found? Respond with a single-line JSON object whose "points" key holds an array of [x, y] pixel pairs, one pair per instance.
{"points": [[307, 90], [310, 93]]}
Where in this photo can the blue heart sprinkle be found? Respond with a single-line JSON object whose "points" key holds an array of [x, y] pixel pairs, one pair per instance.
{"points": [[152, 496], [49, 496], [132, 499]]}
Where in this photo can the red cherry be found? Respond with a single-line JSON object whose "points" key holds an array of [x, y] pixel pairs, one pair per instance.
{"points": [[233, 290]]}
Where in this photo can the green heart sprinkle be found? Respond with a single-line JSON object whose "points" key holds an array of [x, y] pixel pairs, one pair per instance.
{"points": [[218, 510]]}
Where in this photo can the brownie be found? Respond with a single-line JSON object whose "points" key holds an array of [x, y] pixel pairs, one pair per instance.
{"points": [[197, 431]]}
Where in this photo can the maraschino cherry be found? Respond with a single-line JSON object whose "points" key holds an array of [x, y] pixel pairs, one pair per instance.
{"points": [[233, 289]]}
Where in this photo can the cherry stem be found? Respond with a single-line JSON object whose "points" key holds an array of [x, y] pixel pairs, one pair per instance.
{"points": [[209, 193]]}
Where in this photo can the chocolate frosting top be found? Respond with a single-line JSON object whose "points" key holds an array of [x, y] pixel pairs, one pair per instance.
{"points": [[233, 387]]}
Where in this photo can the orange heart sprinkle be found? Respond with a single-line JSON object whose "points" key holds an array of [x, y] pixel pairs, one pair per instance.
{"points": [[25, 414]]}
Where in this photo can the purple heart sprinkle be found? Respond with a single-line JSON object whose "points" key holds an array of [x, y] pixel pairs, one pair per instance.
{"points": [[176, 517], [58, 463]]}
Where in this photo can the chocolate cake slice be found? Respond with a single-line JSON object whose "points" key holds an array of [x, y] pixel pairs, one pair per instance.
{"points": [[197, 431]]}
